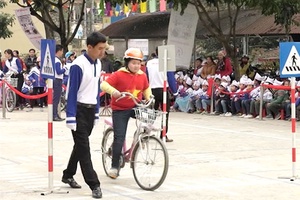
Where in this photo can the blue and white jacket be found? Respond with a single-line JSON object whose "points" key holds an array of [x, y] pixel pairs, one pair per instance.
{"points": [[13, 64], [59, 70], [35, 77], [83, 86]]}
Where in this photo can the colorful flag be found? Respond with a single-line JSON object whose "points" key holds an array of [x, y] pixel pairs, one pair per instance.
{"points": [[143, 7], [107, 8], [134, 7], [101, 8], [162, 5], [126, 9], [152, 5], [117, 10]]}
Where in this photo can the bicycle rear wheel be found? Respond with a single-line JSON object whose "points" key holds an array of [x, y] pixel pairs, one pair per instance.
{"points": [[107, 141], [10, 100], [150, 163]]}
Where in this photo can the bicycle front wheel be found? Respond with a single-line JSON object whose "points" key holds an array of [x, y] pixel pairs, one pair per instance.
{"points": [[10, 100], [150, 163], [107, 141]]}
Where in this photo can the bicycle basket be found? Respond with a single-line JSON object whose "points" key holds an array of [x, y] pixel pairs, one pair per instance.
{"points": [[13, 82], [147, 115]]}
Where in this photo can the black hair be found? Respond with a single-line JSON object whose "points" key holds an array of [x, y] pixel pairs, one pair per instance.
{"points": [[94, 38], [9, 51], [31, 50], [200, 59], [17, 52], [58, 48], [156, 51], [126, 61]]}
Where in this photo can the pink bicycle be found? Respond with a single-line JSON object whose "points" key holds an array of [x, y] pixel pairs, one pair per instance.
{"points": [[147, 155]]}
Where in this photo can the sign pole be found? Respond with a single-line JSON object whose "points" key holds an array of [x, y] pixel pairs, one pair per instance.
{"points": [[48, 71], [290, 67], [165, 95], [293, 108]]}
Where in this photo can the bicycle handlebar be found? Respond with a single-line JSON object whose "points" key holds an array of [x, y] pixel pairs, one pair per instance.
{"points": [[134, 99]]}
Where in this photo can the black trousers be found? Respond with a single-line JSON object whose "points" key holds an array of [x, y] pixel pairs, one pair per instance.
{"points": [[81, 150], [158, 94], [19, 100]]}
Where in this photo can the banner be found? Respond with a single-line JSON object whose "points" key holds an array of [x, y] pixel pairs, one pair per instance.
{"points": [[24, 18], [162, 5], [143, 7], [152, 5], [181, 33]]}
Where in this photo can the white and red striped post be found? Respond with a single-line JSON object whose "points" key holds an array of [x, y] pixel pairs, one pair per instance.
{"points": [[165, 96], [50, 134], [293, 109]]}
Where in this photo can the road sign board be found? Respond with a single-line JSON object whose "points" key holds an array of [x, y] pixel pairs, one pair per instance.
{"points": [[289, 59], [48, 58], [170, 57]]}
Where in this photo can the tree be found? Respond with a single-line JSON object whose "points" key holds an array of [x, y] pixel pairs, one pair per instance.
{"points": [[283, 11], [57, 17], [6, 20]]}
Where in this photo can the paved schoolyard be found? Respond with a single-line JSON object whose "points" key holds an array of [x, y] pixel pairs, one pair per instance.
{"points": [[212, 157]]}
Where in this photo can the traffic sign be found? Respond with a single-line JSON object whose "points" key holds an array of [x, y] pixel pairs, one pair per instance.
{"points": [[289, 59], [170, 50], [48, 58]]}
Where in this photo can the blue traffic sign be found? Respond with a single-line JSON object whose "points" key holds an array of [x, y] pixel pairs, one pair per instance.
{"points": [[289, 59], [48, 58]]}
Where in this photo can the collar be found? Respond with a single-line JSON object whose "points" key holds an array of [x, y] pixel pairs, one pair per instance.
{"points": [[123, 69], [90, 59]]}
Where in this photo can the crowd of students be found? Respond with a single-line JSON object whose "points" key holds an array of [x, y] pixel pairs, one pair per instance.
{"points": [[234, 98]]}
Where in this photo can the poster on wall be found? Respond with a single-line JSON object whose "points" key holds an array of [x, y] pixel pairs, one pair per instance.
{"points": [[181, 33], [24, 18], [139, 43]]}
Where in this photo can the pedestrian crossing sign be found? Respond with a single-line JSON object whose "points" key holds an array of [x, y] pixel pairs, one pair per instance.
{"points": [[289, 59], [48, 58]]}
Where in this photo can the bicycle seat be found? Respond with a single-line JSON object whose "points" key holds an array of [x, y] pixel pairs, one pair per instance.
{"points": [[108, 121]]}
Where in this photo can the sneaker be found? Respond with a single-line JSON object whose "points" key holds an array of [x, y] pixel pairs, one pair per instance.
{"points": [[204, 112], [113, 173], [257, 117], [248, 116], [228, 114], [239, 114], [222, 114], [278, 116], [269, 116], [97, 193], [29, 109], [242, 116]]}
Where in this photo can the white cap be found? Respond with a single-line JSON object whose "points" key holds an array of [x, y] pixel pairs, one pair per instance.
{"points": [[235, 83], [189, 81], [205, 82], [269, 80], [224, 84], [226, 78], [197, 83], [276, 82], [258, 77], [218, 76]]}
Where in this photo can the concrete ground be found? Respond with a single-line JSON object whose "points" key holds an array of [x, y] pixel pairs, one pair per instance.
{"points": [[211, 158]]}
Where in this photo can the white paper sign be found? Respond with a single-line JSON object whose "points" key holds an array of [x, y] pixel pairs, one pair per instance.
{"points": [[24, 18]]}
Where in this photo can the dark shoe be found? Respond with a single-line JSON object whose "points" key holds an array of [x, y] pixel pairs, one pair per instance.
{"points": [[56, 119], [96, 193], [71, 182], [61, 118], [169, 140]]}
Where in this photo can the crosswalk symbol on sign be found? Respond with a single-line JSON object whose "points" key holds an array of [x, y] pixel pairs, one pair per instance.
{"points": [[289, 60]]}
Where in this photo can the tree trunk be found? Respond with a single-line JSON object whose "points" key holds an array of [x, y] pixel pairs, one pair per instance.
{"points": [[49, 32]]}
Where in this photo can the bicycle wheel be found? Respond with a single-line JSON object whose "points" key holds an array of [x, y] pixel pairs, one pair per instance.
{"points": [[107, 141], [10, 100], [150, 163], [63, 102]]}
